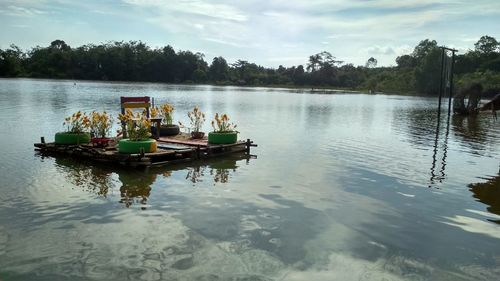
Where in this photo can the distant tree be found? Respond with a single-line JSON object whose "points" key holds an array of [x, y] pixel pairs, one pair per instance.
{"points": [[371, 63], [314, 63], [168, 58], [486, 45], [241, 68], [468, 62], [321, 60], [136, 61], [199, 76], [186, 63], [406, 61], [219, 70], [59, 45], [427, 73], [350, 76], [11, 61], [298, 75], [423, 49], [54, 61]]}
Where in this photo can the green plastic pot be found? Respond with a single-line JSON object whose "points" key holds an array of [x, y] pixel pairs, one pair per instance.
{"points": [[72, 138], [222, 138], [134, 146]]}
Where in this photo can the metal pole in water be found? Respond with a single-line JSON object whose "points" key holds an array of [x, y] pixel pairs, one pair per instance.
{"points": [[441, 82], [451, 80]]}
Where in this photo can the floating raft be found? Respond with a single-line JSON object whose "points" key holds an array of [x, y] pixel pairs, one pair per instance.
{"points": [[170, 150]]}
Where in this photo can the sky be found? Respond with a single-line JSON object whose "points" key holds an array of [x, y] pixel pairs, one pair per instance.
{"points": [[267, 32]]}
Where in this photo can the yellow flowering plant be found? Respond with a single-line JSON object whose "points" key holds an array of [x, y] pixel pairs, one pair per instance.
{"points": [[77, 123], [100, 124], [138, 125], [221, 124], [165, 111], [197, 118]]}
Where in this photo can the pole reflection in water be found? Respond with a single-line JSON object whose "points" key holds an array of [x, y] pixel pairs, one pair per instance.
{"points": [[135, 185], [435, 178]]}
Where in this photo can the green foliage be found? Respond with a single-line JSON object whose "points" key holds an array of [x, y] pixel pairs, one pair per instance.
{"points": [[219, 69], [371, 62], [391, 80], [406, 61], [424, 48], [489, 80], [11, 61], [486, 45], [417, 72], [428, 73]]}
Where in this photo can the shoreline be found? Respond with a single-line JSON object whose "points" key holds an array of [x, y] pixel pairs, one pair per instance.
{"points": [[316, 89]]}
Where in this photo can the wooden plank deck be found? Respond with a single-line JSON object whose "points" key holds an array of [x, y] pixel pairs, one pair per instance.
{"points": [[170, 151], [185, 140]]}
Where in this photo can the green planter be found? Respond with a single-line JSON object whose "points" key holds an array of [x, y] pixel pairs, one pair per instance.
{"points": [[133, 146], [72, 138], [222, 138]]}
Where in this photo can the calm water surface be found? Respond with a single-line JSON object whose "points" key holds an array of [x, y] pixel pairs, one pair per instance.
{"points": [[344, 187]]}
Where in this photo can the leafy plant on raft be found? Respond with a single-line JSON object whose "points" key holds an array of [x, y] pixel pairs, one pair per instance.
{"points": [[138, 125], [77, 123], [100, 124], [222, 125], [196, 118], [165, 111]]}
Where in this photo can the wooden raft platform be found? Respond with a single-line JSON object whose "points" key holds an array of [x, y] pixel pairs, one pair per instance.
{"points": [[170, 150]]}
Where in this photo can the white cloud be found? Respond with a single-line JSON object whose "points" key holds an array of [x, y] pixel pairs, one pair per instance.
{"points": [[377, 50], [223, 42], [197, 7], [13, 10], [263, 30]]}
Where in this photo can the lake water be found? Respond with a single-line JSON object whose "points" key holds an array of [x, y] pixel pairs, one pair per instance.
{"points": [[344, 187]]}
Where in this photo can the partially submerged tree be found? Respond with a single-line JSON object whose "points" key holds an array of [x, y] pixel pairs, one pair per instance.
{"points": [[467, 100]]}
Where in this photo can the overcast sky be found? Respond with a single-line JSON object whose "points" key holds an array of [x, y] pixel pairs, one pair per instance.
{"points": [[267, 32]]}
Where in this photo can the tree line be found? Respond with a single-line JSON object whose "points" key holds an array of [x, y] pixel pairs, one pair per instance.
{"points": [[417, 72]]}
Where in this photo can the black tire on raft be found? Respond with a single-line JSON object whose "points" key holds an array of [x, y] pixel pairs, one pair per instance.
{"points": [[169, 130]]}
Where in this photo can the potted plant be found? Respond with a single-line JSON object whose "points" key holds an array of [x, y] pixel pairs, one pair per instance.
{"points": [[138, 128], [197, 118], [76, 130], [100, 127], [167, 128], [224, 131]]}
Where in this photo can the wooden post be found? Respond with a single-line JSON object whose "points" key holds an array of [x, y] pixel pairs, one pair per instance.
{"points": [[141, 151], [248, 146], [42, 139], [198, 152], [124, 130]]}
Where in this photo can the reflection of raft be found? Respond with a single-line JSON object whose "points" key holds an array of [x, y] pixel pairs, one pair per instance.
{"points": [[170, 150], [488, 193]]}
